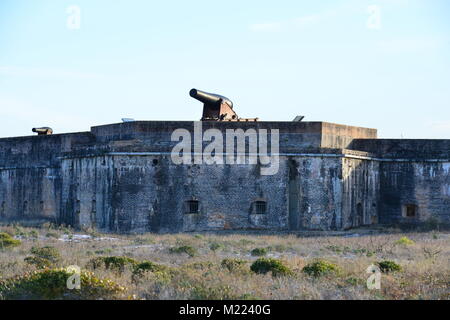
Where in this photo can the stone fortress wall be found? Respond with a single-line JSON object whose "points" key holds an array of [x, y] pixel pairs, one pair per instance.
{"points": [[120, 178]]}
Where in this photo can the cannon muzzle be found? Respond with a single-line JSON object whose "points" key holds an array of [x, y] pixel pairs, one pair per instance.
{"points": [[210, 98], [43, 131]]}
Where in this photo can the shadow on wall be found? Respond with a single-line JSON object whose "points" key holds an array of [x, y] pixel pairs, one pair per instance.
{"points": [[360, 194], [332, 193]]}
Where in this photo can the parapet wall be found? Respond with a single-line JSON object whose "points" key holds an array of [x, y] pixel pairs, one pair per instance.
{"points": [[39, 151], [404, 148], [293, 135]]}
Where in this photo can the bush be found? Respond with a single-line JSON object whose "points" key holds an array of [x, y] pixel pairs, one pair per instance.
{"points": [[201, 265], [112, 263], [222, 292], [258, 252], [387, 266], [404, 241], [48, 253], [215, 246], [319, 268], [38, 262], [7, 241], [233, 264], [354, 281], [265, 265], [161, 274], [44, 257], [149, 266], [191, 251], [104, 251], [51, 284]]}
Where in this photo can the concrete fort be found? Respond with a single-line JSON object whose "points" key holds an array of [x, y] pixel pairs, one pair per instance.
{"points": [[122, 178]]}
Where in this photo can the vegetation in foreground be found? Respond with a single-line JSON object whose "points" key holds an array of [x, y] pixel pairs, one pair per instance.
{"points": [[34, 265]]}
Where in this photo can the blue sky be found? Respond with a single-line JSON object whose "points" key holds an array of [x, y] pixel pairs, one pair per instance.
{"points": [[273, 59]]}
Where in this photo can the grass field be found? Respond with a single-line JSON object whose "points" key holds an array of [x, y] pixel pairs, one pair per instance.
{"points": [[222, 265]]}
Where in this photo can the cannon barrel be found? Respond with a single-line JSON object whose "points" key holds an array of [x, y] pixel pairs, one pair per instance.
{"points": [[209, 98], [43, 130]]}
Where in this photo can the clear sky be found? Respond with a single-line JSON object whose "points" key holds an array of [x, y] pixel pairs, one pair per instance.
{"points": [[381, 63]]}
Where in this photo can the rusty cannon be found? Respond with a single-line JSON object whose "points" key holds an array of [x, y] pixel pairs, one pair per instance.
{"points": [[43, 131], [216, 107]]}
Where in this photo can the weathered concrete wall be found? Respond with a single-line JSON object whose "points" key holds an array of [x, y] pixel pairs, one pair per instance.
{"points": [[133, 194], [86, 193], [412, 172], [39, 151], [293, 135], [315, 193], [121, 178], [226, 194], [30, 181], [340, 136], [361, 185], [423, 184], [30, 194], [136, 193], [156, 134], [147, 193], [420, 149]]}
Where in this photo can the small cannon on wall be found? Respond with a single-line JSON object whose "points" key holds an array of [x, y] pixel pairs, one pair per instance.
{"points": [[43, 131], [216, 107]]}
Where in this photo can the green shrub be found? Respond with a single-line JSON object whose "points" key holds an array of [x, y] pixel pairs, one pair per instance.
{"points": [[103, 251], [222, 292], [51, 284], [145, 266], [319, 268], [7, 241], [354, 281], [201, 265], [49, 253], [161, 274], [233, 264], [363, 251], [258, 252], [112, 263], [387, 266], [43, 257], [404, 241], [265, 265], [215, 246], [189, 250], [38, 262]]}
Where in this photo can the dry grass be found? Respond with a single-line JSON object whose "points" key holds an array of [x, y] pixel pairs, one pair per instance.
{"points": [[425, 263]]}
